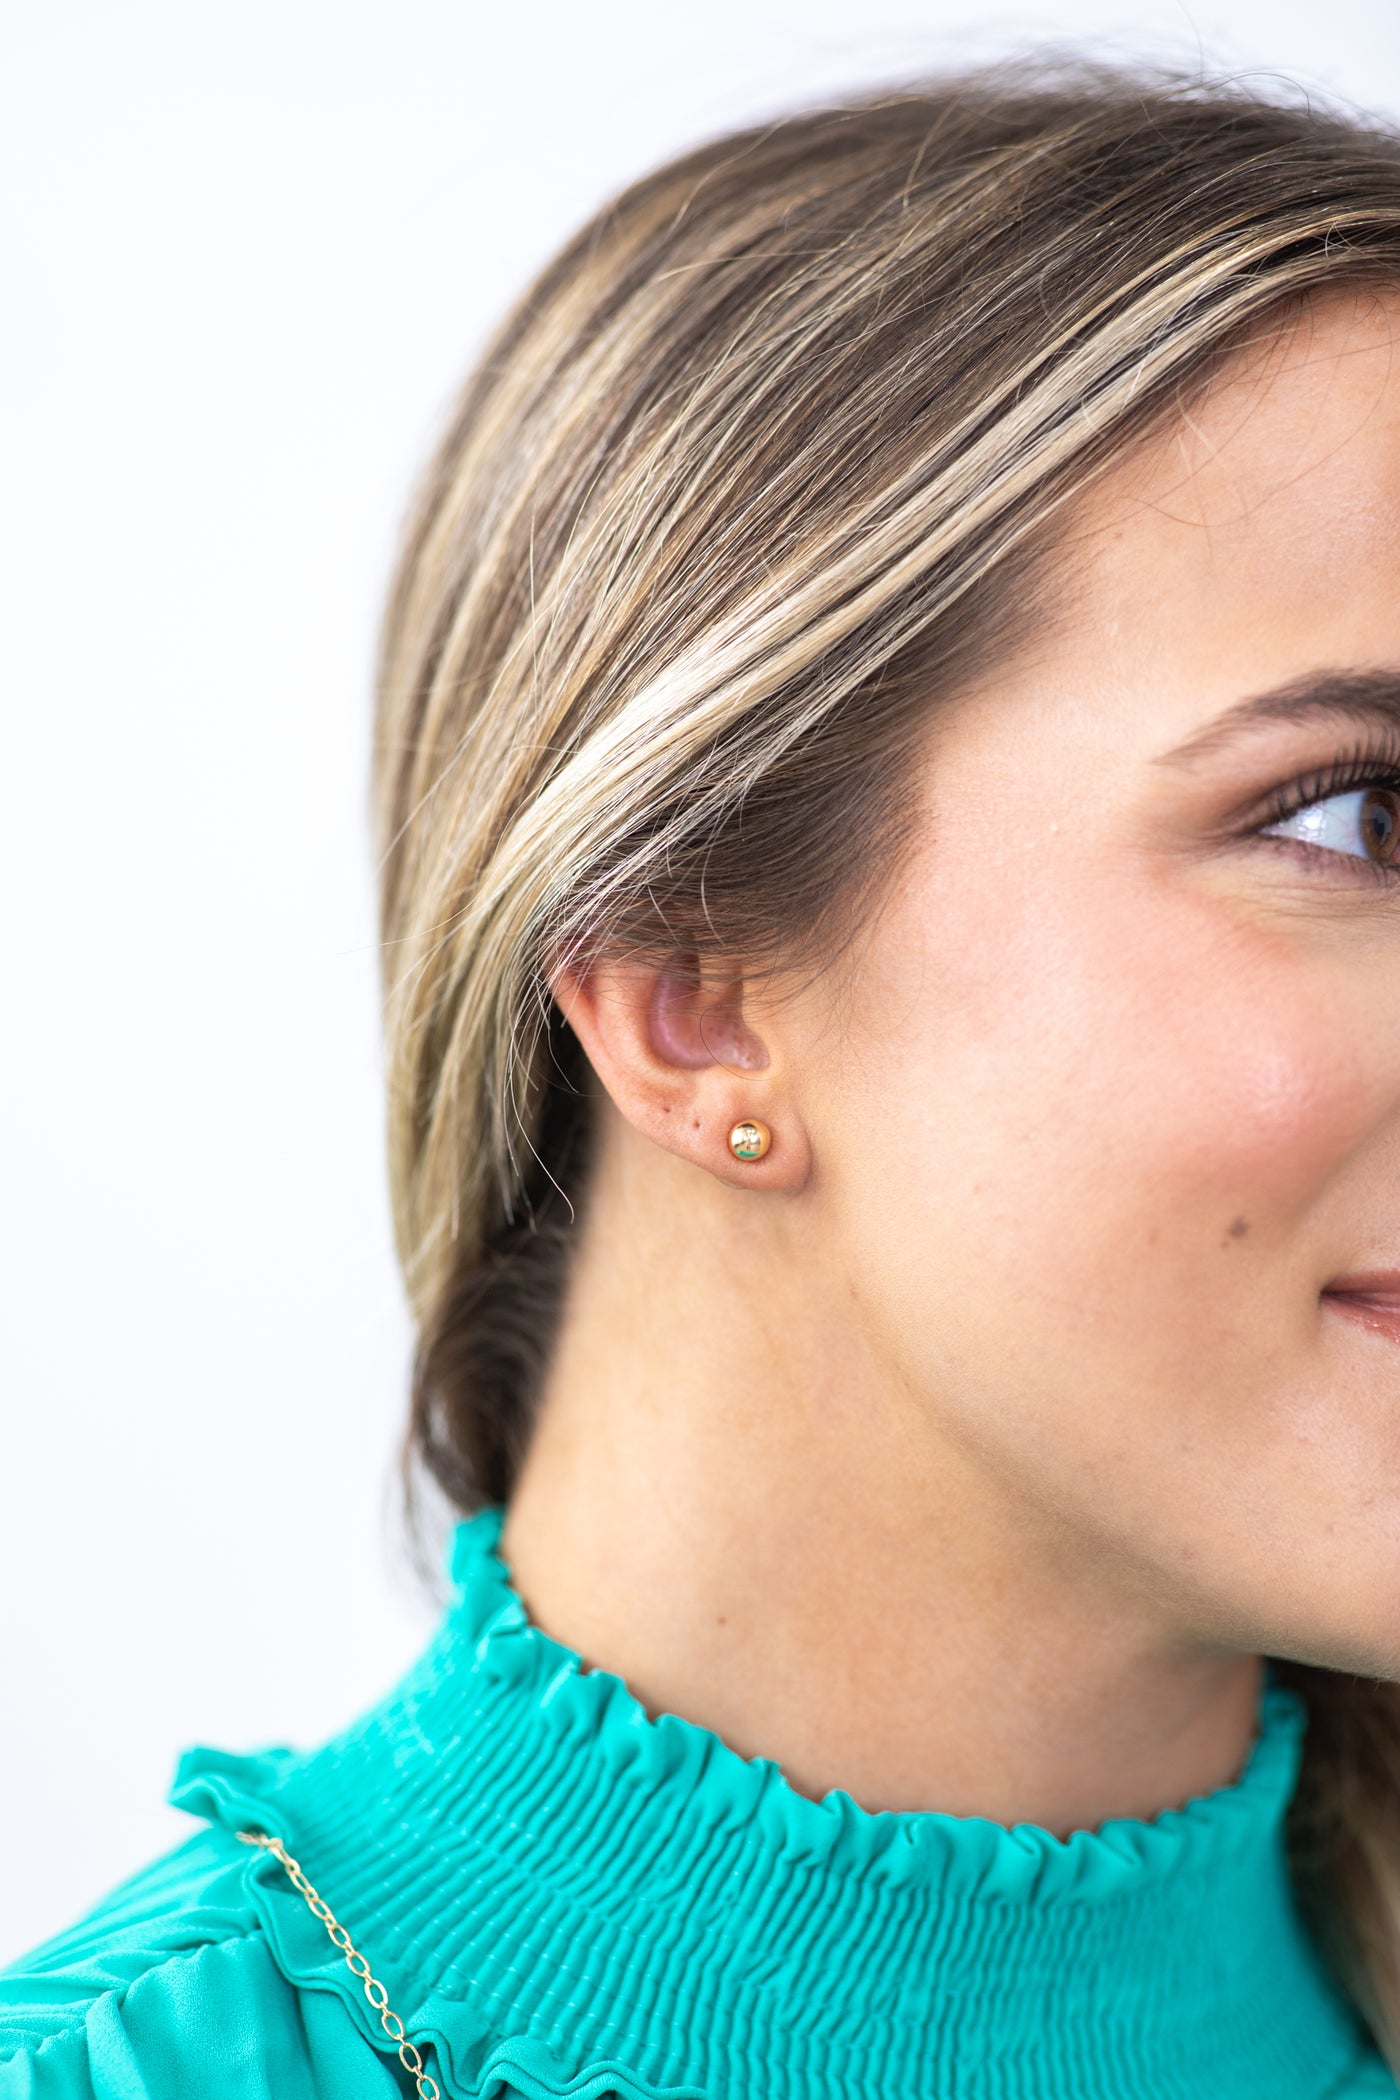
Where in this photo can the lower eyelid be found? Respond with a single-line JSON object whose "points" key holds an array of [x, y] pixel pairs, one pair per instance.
{"points": [[1350, 866]]}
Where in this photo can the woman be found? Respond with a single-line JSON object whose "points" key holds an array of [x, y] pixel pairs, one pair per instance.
{"points": [[889, 774]]}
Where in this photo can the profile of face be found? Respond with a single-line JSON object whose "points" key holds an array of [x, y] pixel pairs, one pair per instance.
{"points": [[1094, 1132]]}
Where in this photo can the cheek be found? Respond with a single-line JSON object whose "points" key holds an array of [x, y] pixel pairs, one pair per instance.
{"points": [[1100, 1113], [1216, 1079]]}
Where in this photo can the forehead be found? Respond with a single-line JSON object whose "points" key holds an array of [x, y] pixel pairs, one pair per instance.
{"points": [[1252, 539], [1281, 479]]}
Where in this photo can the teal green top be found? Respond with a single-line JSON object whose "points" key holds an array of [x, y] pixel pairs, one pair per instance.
{"points": [[564, 1896]]}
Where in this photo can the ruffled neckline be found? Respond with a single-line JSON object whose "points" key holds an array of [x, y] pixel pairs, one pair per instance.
{"points": [[566, 1894], [1020, 1863]]}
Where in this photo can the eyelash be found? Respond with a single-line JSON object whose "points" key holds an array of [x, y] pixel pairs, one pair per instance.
{"points": [[1371, 764]]}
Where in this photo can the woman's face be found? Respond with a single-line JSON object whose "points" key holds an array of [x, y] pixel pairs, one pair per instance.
{"points": [[1115, 1099]]}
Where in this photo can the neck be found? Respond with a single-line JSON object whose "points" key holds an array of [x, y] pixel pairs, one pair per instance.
{"points": [[733, 1504]]}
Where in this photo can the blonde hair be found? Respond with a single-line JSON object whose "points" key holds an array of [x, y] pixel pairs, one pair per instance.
{"points": [[753, 477]]}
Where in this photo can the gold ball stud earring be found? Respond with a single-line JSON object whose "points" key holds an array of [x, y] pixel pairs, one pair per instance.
{"points": [[750, 1139]]}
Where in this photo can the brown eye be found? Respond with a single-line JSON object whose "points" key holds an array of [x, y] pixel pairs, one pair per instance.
{"points": [[1360, 823], [1380, 823]]}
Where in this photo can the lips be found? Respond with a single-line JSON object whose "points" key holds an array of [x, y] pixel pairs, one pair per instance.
{"points": [[1371, 1300]]}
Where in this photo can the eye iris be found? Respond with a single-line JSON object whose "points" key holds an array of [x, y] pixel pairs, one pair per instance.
{"points": [[1380, 823]]}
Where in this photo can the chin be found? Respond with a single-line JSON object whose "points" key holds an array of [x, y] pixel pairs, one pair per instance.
{"points": [[1359, 1636]]}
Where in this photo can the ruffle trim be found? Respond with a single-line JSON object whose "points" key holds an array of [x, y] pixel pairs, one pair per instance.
{"points": [[476, 2064], [969, 1856]]}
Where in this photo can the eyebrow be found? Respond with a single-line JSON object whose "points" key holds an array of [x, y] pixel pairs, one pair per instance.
{"points": [[1364, 698]]}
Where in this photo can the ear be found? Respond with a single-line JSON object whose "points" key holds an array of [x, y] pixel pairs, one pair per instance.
{"points": [[685, 1055]]}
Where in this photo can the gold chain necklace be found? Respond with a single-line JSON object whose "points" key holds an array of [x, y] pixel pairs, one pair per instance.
{"points": [[426, 2086]]}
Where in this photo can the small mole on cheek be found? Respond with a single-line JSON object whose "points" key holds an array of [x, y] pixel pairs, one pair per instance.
{"points": [[1237, 1231]]}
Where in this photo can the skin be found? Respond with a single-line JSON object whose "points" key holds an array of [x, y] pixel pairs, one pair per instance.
{"points": [[969, 1450]]}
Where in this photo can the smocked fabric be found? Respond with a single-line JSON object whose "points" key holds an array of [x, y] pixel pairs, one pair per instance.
{"points": [[564, 1896]]}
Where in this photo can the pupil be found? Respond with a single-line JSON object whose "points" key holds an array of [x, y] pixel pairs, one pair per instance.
{"points": [[1380, 823]]}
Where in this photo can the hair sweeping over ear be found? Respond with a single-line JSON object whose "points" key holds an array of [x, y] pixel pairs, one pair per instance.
{"points": [[763, 467]]}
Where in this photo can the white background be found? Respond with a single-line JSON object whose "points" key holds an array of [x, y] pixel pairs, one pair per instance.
{"points": [[247, 254]]}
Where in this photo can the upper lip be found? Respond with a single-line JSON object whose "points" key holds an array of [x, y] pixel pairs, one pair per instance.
{"points": [[1379, 1284]]}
